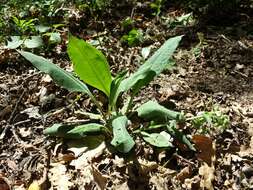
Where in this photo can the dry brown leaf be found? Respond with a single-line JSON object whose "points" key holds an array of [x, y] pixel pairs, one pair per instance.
{"points": [[83, 164], [99, 179], [193, 183], [34, 185], [4, 184], [119, 162], [87, 157], [147, 166], [205, 148], [159, 182], [59, 177], [248, 150], [32, 112], [207, 174], [184, 173]]}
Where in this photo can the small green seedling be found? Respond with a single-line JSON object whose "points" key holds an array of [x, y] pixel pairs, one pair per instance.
{"points": [[156, 7], [183, 20], [200, 46], [133, 38], [24, 25], [127, 24], [91, 66]]}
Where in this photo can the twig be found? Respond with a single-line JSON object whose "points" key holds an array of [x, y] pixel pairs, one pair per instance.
{"points": [[21, 122], [15, 135], [16, 107]]}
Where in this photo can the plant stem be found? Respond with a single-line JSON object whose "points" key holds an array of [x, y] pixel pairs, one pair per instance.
{"points": [[99, 107], [129, 106]]}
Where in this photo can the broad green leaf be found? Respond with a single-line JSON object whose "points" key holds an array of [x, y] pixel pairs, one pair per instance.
{"points": [[162, 139], [42, 28], [114, 87], [151, 68], [60, 76], [14, 43], [83, 130], [90, 64], [122, 141], [55, 37], [34, 42], [73, 132], [179, 135], [153, 111], [58, 129]]}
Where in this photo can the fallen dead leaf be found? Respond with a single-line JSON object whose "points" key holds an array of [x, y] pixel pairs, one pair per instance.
{"points": [[99, 179], [32, 112], [184, 174], [205, 147], [4, 184], [207, 174], [193, 183], [119, 162], [84, 166], [87, 156], [46, 79], [147, 166], [34, 185], [59, 177], [159, 182]]}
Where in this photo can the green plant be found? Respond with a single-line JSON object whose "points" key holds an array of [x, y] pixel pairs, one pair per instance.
{"points": [[24, 25], [91, 66], [25, 28], [53, 33], [127, 24], [196, 51], [183, 20], [156, 7], [206, 121], [35, 41], [93, 5], [133, 38]]}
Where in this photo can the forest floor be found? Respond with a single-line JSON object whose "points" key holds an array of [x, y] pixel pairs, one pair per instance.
{"points": [[216, 72]]}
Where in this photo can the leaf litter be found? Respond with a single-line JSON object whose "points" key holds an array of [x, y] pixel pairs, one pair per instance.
{"points": [[221, 74]]}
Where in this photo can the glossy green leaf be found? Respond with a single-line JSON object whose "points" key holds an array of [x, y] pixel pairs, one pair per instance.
{"points": [[122, 141], [33, 42], [60, 76], [151, 68], [55, 37], [58, 130], [162, 139], [86, 129], [153, 111], [114, 88], [90, 64], [14, 43], [74, 132]]}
